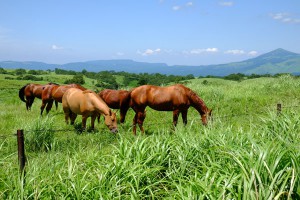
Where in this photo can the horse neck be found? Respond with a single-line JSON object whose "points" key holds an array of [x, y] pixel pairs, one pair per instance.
{"points": [[197, 103], [101, 106], [53, 89]]}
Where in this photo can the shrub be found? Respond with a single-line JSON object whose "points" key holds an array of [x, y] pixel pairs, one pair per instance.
{"points": [[40, 135]]}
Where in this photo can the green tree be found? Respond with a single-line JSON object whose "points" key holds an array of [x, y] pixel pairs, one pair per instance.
{"points": [[20, 72], [78, 78], [2, 71]]}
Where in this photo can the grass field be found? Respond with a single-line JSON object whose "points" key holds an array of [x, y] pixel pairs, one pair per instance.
{"points": [[248, 151]]}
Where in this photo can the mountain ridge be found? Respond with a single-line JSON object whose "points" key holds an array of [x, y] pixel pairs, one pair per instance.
{"points": [[276, 61]]}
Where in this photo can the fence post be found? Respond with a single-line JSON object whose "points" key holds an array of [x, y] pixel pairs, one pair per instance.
{"points": [[21, 153], [278, 109]]}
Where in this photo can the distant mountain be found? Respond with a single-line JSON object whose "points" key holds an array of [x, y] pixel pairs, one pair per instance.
{"points": [[277, 61]]}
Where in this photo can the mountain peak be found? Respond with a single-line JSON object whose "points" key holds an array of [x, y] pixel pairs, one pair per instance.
{"points": [[281, 52]]}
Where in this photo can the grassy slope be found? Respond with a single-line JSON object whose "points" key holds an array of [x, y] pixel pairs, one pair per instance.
{"points": [[248, 151]]}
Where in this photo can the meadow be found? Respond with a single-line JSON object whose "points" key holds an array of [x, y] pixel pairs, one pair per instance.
{"points": [[248, 150]]}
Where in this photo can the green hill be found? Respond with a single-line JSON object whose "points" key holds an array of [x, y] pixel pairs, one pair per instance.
{"points": [[277, 61]]}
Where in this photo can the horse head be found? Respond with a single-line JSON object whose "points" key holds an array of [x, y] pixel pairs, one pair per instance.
{"points": [[111, 121], [205, 116]]}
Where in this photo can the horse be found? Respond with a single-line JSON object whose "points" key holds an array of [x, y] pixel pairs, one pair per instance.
{"points": [[55, 92], [116, 99], [32, 91], [87, 103], [177, 98]]}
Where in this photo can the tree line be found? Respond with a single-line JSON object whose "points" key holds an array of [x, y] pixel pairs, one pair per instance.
{"points": [[115, 80]]}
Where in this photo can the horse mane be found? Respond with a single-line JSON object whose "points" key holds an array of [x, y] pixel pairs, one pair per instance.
{"points": [[87, 91], [21, 93], [50, 83], [197, 102]]}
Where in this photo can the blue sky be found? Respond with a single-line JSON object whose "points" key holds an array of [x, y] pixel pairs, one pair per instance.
{"points": [[191, 32]]}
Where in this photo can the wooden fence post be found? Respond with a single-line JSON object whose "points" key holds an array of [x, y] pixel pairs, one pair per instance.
{"points": [[278, 109], [21, 153]]}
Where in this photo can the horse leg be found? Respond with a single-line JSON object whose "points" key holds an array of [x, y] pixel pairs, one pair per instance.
{"points": [[49, 106], [67, 115], [29, 102], [123, 111], [134, 123], [72, 117], [44, 103], [84, 118], [140, 121], [98, 117], [93, 118], [56, 104], [175, 117], [184, 116]]}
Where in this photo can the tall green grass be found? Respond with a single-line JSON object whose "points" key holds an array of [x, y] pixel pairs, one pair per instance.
{"points": [[247, 152]]}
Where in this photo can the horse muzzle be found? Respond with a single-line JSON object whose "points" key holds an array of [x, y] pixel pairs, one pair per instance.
{"points": [[114, 130]]}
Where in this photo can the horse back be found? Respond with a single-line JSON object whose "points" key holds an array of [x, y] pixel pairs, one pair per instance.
{"points": [[115, 98], [159, 98], [83, 102]]}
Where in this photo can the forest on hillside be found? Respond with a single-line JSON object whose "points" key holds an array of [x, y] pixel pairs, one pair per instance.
{"points": [[115, 80]]}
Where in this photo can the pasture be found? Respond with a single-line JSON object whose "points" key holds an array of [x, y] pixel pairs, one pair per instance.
{"points": [[248, 151]]}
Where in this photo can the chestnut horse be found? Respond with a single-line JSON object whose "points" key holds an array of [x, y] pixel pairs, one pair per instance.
{"points": [[116, 99], [32, 91], [87, 103], [54, 93], [177, 98]]}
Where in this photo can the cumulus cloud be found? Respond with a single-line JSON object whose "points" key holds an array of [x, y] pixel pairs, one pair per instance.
{"points": [[241, 52], [285, 18], [176, 8], [252, 53], [55, 47], [200, 51], [120, 54], [226, 3], [235, 52], [189, 4], [149, 52], [179, 7]]}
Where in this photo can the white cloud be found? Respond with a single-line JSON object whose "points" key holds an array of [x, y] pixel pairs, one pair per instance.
{"points": [[189, 4], [149, 52], [179, 7], [285, 18], [235, 52], [253, 53], [176, 8], [241, 52], [226, 3], [200, 51], [55, 47], [120, 54]]}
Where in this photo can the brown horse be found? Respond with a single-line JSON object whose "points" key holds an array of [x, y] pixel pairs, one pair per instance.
{"points": [[55, 93], [176, 98], [32, 91], [116, 99], [87, 103]]}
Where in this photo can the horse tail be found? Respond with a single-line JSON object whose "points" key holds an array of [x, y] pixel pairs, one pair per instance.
{"points": [[21, 93]]}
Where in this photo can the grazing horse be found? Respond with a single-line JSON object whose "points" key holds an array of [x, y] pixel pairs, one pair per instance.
{"points": [[116, 99], [55, 93], [176, 98], [87, 103], [30, 91]]}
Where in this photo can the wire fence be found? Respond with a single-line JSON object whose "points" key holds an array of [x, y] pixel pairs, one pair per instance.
{"points": [[278, 107]]}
